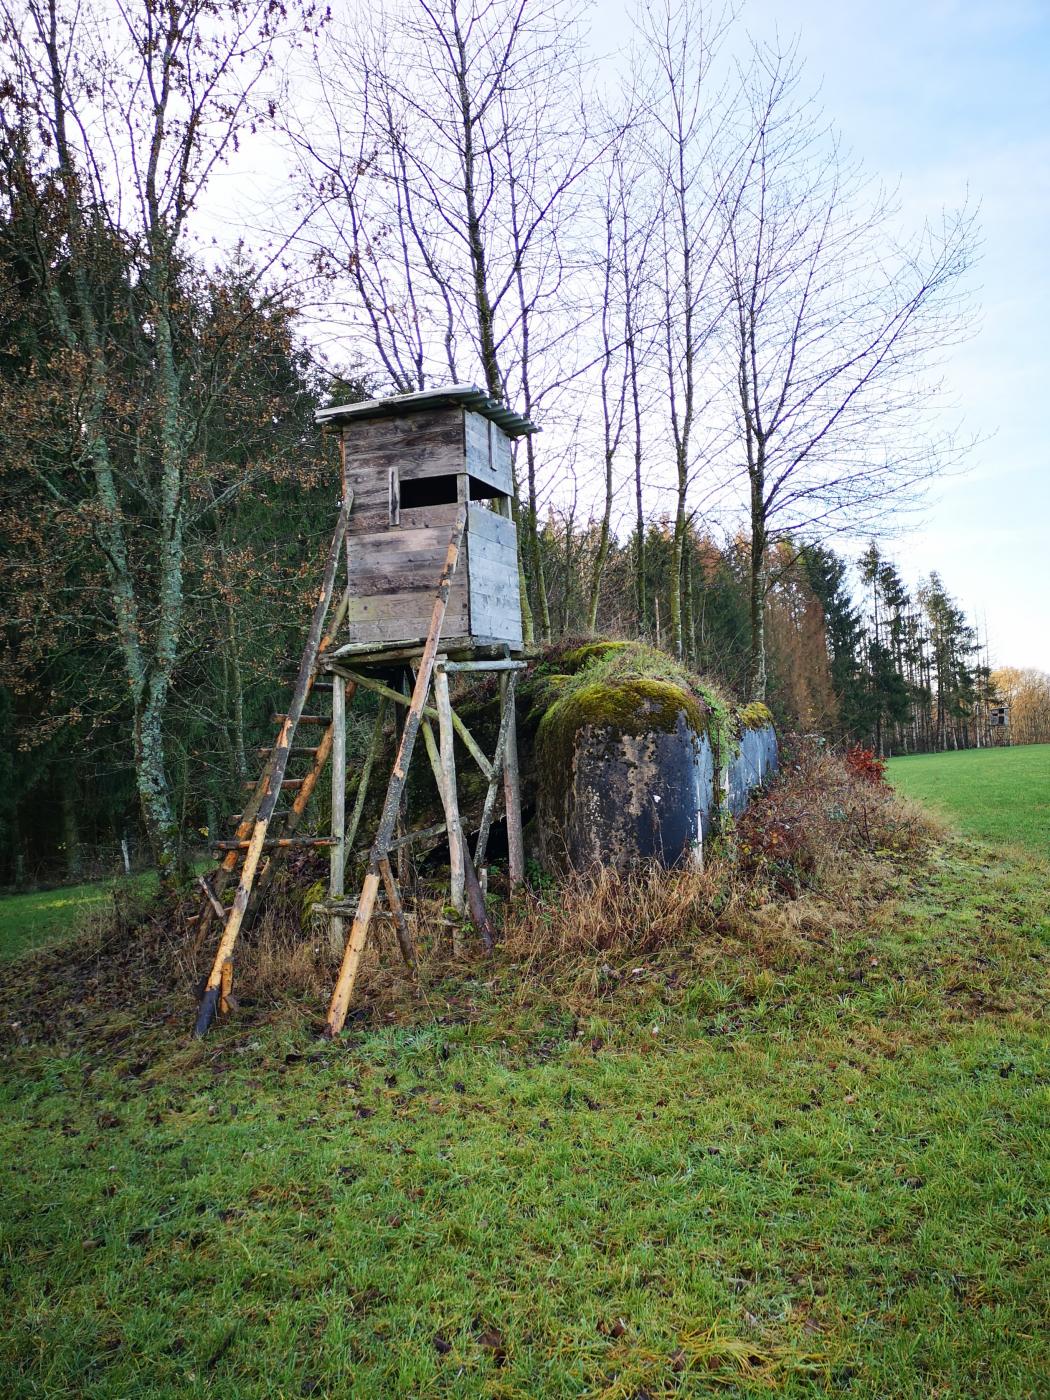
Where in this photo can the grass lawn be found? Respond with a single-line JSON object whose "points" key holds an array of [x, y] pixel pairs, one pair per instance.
{"points": [[1000, 795], [29, 921], [809, 1157], [821, 1173]]}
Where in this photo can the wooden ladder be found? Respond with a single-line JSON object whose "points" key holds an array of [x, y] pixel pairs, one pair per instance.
{"points": [[252, 838]]}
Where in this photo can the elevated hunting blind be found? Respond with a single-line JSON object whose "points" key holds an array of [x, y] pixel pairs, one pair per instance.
{"points": [[431, 593], [412, 462]]}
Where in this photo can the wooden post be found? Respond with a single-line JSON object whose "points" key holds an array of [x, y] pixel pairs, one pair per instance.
{"points": [[337, 861], [476, 902], [404, 937], [359, 932], [366, 777], [474, 895], [506, 710], [450, 795], [404, 856], [511, 787], [226, 987]]}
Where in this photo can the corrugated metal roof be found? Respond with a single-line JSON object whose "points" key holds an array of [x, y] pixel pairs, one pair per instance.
{"points": [[468, 395]]}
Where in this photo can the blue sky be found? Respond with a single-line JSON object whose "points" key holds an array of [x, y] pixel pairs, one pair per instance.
{"points": [[949, 96]]}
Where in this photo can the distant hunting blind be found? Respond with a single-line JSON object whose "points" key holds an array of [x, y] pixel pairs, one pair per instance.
{"points": [[412, 462]]}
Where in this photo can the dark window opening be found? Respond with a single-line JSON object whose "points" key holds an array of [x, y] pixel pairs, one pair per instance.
{"points": [[482, 491], [428, 491]]}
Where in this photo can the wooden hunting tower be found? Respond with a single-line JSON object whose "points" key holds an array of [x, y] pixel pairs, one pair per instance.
{"points": [[413, 461], [432, 590]]}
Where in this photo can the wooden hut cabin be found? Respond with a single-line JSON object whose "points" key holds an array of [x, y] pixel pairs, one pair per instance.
{"points": [[413, 461]]}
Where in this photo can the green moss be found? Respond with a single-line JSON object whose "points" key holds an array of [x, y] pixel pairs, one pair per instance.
{"points": [[755, 716], [628, 687], [580, 657], [316, 893], [642, 705]]}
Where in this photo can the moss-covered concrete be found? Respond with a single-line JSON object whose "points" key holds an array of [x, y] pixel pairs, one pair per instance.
{"points": [[631, 754], [629, 687], [755, 715], [633, 707]]}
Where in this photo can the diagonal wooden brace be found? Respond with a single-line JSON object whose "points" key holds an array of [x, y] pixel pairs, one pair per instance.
{"points": [[355, 944]]}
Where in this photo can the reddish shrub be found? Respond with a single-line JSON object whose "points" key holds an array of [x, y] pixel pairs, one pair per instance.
{"points": [[866, 764], [819, 814]]}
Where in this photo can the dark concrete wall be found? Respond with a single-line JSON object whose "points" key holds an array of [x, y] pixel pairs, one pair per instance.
{"points": [[654, 796]]}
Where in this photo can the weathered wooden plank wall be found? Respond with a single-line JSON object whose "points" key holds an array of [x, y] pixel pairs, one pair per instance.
{"points": [[396, 553]]}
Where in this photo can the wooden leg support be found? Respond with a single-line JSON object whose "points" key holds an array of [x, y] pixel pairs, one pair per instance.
{"points": [[393, 899], [366, 904], [226, 987], [355, 947], [337, 865], [450, 796], [512, 791]]}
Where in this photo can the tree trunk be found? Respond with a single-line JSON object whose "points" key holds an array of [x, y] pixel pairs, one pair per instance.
{"points": [[674, 582], [756, 670], [539, 581], [154, 790], [689, 619], [602, 553], [71, 829]]}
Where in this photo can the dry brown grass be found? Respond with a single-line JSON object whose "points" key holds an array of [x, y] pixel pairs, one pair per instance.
{"points": [[818, 820], [809, 845]]}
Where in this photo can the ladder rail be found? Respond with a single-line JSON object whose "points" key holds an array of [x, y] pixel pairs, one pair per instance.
{"points": [[316, 643]]}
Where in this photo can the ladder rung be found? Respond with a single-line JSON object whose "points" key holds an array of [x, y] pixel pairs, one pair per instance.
{"points": [[303, 719], [276, 843], [288, 783], [237, 817], [296, 748]]}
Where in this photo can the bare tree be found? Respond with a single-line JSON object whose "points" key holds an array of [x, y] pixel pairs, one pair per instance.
{"points": [[452, 199], [833, 329], [694, 155], [626, 341], [120, 116]]}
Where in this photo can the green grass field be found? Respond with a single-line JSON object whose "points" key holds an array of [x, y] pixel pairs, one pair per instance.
{"points": [[809, 1165], [1000, 795], [31, 921]]}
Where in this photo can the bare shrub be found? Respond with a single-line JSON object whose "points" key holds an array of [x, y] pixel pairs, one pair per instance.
{"points": [[818, 818]]}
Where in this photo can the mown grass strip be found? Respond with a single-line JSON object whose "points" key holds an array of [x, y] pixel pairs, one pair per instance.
{"points": [[998, 795]]}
